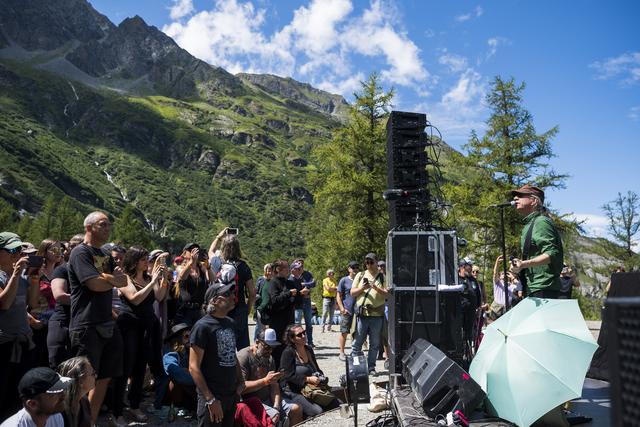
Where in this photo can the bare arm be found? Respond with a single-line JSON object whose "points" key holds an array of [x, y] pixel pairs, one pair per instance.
{"points": [[195, 359], [135, 295], [58, 287], [251, 290], [496, 271], [216, 242], [339, 301], [8, 293]]}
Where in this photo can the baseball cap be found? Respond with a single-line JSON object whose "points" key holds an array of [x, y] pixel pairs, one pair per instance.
{"points": [[353, 264], [465, 261], [42, 380], [9, 240], [190, 246], [269, 336], [28, 248], [382, 264], [217, 289], [296, 264], [371, 255], [528, 190]]}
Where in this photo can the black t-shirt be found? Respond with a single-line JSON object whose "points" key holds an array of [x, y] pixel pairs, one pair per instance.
{"points": [[142, 311], [192, 290], [88, 308], [218, 340], [62, 312]]}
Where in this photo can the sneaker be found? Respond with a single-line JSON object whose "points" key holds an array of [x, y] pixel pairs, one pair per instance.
{"points": [[138, 415], [342, 357]]}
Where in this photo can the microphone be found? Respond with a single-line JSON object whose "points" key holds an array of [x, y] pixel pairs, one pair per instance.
{"points": [[396, 193], [503, 204]]}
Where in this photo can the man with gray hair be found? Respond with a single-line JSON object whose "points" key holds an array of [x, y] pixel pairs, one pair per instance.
{"points": [[92, 330], [542, 253]]}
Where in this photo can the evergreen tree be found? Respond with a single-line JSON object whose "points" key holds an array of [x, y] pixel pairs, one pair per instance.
{"points": [[510, 154], [9, 218], [129, 230], [349, 217], [44, 224], [68, 220], [624, 220]]}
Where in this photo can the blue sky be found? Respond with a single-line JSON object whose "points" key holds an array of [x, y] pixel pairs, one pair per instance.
{"points": [[580, 61]]}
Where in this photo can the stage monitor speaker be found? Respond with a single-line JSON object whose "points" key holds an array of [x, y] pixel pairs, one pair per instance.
{"points": [[438, 383], [623, 318], [622, 285]]}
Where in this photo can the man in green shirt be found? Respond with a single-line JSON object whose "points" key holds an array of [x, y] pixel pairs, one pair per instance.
{"points": [[542, 261]]}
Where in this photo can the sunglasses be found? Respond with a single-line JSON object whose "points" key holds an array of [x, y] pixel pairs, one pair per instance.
{"points": [[369, 262], [55, 250], [301, 334], [14, 250]]}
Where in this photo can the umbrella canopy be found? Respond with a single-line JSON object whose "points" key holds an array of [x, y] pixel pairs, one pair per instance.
{"points": [[533, 359]]}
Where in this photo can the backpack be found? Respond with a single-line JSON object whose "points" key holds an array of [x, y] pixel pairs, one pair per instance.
{"points": [[229, 274]]}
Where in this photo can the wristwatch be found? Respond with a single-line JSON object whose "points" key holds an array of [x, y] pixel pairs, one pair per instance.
{"points": [[210, 401]]}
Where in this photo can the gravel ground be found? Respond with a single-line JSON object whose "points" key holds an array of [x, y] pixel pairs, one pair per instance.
{"points": [[326, 349]]}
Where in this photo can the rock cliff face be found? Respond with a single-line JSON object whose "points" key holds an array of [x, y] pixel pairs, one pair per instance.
{"points": [[302, 93]]}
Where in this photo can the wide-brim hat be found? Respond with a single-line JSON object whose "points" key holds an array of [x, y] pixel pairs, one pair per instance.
{"points": [[176, 330], [217, 289]]}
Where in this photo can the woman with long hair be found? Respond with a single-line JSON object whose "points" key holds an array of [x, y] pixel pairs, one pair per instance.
{"points": [[52, 252], [245, 297], [298, 362], [77, 410], [137, 325], [192, 280]]}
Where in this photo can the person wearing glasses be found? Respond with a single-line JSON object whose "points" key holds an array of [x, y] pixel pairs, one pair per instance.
{"points": [[15, 334], [299, 366], [345, 305], [212, 357], [262, 379], [540, 270], [77, 410], [370, 292]]}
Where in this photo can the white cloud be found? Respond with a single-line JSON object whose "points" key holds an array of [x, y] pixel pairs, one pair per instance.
{"points": [[625, 67], [345, 87], [476, 13], [321, 42], [181, 8], [456, 63], [594, 225], [494, 43], [634, 113]]}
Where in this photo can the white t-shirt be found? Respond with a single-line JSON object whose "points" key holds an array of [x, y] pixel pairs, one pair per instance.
{"points": [[23, 419]]}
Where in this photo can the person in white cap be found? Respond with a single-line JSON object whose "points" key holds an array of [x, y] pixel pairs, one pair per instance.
{"points": [[262, 380], [42, 392]]}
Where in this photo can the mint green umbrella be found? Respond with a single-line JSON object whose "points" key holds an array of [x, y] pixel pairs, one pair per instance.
{"points": [[533, 359]]}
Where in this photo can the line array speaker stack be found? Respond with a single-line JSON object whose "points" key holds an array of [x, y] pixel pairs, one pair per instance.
{"points": [[407, 168]]}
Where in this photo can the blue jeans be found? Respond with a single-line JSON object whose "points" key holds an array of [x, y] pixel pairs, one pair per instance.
{"points": [[306, 310], [372, 326]]}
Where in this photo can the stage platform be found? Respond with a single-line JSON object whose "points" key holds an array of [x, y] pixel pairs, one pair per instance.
{"points": [[595, 403]]}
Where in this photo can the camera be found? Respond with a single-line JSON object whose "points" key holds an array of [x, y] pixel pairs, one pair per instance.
{"points": [[323, 380], [232, 231]]}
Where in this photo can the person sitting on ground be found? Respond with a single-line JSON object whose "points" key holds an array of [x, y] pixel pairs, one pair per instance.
{"points": [[315, 317], [261, 378], [181, 389], [329, 288], [77, 410], [300, 368], [42, 392]]}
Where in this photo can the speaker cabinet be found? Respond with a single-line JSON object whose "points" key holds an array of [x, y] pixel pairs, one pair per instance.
{"points": [[438, 383]]}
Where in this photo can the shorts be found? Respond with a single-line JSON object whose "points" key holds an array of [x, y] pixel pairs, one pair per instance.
{"points": [[345, 323], [286, 405], [102, 348]]}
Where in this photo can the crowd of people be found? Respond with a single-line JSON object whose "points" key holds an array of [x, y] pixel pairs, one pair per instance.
{"points": [[86, 325]]}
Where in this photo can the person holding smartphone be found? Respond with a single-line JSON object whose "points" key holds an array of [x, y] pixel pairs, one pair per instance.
{"points": [[16, 292], [262, 379]]}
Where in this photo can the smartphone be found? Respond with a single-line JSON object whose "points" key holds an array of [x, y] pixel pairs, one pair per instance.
{"points": [[232, 231], [35, 261]]}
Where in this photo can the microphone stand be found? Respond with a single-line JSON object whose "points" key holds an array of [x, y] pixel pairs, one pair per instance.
{"points": [[504, 260]]}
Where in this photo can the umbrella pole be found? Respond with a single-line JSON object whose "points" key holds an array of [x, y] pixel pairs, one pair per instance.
{"points": [[505, 282]]}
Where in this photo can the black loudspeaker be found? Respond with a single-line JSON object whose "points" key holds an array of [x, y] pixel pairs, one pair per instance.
{"points": [[357, 377], [438, 383], [622, 285], [407, 167], [623, 318]]}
